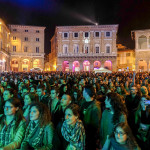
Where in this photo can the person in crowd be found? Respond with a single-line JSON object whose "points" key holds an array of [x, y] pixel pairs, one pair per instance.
{"points": [[41, 94], [33, 88], [77, 97], [70, 135], [132, 102], [12, 125], [121, 139], [54, 106], [39, 132], [8, 93], [91, 115], [63, 90], [114, 113], [28, 99]]}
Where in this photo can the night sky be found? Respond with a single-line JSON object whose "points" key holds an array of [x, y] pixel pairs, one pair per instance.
{"points": [[129, 14]]}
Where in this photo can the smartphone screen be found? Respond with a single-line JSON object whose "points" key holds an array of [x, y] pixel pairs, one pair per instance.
{"points": [[147, 102]]}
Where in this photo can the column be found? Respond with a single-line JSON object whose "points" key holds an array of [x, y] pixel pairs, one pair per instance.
{"points": [[148, 66]]}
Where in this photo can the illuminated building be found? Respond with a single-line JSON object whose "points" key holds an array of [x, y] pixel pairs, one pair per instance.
{"points": [[142, 49], [26, 47], [4, 47], [83, 48], [125, 58]]}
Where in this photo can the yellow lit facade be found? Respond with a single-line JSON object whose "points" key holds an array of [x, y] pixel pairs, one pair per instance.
{"points": [[4, 46], [26, 47], [83, 48], [125, 58]]}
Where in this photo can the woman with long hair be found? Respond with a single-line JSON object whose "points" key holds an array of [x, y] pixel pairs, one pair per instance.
{"points": [[70, 134], [114, 113], [39, 132], [121, 139], [12, 125]]}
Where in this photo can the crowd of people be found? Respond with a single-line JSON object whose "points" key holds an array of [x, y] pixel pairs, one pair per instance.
{"points": [[75, 111]]}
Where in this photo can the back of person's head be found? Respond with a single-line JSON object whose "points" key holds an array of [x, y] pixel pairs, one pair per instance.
{"points": [[89, 90], [41, 86]]}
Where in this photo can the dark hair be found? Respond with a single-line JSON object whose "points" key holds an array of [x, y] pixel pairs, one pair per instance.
{"points": [[45, 116], [131, 142], [118, 106], [11, 91], [55, 88], [19, 114], [90, 90], [74, 108], [41, 87], [33, 96]]}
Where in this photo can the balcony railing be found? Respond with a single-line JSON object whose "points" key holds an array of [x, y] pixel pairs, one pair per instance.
{"points": [[26, 54], [86, 54], [4, 51]]}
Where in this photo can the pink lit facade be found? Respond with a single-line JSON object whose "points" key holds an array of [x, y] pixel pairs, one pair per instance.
{"points": [[83, 48]]}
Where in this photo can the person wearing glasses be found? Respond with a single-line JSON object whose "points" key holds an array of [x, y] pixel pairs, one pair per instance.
{"points": [[121, 139], [12, 125]]}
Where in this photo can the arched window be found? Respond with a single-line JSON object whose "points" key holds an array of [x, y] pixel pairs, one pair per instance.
{"points": [[108, 48], [65, 48], [142, 42], [76, 48], [97, 48]]}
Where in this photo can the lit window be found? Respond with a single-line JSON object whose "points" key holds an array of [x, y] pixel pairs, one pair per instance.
{"points": [[26, 38], [14, 48], [37, 39], [97, 49], [107, 34], [97, 34], [14, 30], [86, 34], [65, 35], [25, 49], [37, 49], [14, 38], [76, 34], [107, 49]]}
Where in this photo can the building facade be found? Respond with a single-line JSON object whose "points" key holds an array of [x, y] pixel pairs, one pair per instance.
{"points": [[83, 48], [142, 49], [4, 47], [26, 47], [125, 58]]}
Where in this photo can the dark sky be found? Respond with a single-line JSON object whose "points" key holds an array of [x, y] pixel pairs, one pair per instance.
{"points": [[129, 14]]}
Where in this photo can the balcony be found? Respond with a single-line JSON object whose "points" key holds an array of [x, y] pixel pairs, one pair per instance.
{"points": [[27, 54], [86, 54]]}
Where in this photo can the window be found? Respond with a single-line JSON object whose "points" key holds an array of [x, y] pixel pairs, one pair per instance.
{"points": [[26, 30], [65, 35], [14, 48], [127, 54], [97, 34], [37, 49], [25, 49], [107, 34], [76, 34], [76, 48], [26, 38], [86, 49], [107, 49], [97, 49], [86, 34], [14, 30], [37, 31], [14, 37], [65, 49], [37, 39]]}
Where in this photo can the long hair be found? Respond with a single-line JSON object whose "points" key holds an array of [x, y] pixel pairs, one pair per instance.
{"points": [[131, 142], [19, 114], [118, 106], [44, 117]]}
